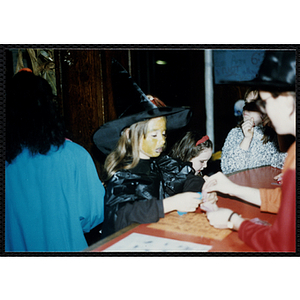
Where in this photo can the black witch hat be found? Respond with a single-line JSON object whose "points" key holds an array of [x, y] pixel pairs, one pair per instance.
{"points": [[133, 106], [277, 72]]}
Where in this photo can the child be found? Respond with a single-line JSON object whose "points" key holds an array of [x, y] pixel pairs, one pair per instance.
{"points": [[253, 143], [140, 188], [196, 149], [276, 83]]}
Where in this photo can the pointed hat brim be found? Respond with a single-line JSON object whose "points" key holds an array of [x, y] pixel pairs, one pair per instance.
{"points": [[133, 106], [107, 136]]}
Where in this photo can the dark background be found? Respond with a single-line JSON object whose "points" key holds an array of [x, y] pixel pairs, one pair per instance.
{"points": [[85, 96]]}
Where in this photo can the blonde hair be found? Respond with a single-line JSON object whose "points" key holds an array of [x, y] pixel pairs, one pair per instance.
{"points": [[126, 154]]}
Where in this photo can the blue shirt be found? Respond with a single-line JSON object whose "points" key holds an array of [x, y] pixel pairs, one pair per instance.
{"points": [[51, 200]]}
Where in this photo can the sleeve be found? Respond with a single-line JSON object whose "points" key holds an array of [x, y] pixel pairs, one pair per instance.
{"points": [[193, 183], [281, 236], [270, 200], [148, 211], [129, 200], [233, 157], [91, 194]]}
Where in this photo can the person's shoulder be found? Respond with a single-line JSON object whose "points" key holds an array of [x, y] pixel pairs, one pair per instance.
{"points": [[74, 146], [71, 148], [235, 131], [169, 162]]}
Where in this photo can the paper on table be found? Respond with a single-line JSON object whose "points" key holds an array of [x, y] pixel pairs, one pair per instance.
{"points": [[191, 223], [136, 242]]}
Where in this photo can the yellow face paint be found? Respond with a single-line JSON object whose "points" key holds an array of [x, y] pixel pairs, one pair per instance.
{"points": [[153, 143]]}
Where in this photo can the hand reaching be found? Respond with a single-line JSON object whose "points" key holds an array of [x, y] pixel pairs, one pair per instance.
{"points": [[184, 202], [209, 201], [219, 183], [219, 218]]}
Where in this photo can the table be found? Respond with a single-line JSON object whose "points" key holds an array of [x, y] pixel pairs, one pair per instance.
{"points": [[262, 177]]}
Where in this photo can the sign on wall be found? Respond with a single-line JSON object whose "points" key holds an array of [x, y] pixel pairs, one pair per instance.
{"points": [[236, 65]]}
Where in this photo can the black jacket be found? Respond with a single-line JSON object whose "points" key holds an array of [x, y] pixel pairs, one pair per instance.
{"points": [[135, 195]]}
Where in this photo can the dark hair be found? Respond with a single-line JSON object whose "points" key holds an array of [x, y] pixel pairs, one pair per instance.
{"points": [[185, 149], [32, 120]]}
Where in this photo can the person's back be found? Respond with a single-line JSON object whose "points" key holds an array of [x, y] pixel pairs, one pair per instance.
{"points": [[51, 200], [52, 190]]}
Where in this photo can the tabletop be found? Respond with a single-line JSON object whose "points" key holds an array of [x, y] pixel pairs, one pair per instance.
{"points": [[191, 231]]}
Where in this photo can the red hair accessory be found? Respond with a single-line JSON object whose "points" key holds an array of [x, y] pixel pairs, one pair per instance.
{"points": [[157, 102], [202, 140], [26, 69]]}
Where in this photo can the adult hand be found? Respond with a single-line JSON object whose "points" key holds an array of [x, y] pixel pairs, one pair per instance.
{"points": [[184, 202], [219, 183], [278, 177], [219, 218]]}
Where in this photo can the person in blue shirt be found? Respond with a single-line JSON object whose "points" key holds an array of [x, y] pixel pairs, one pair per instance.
{"points": [[53, 194]]}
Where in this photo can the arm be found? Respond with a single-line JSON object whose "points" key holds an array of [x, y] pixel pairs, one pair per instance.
{"points": [[185, 202], [248, 131], [220, 183], [259, 235], [144, 211], [281, 236], [150, 211], [193, 183], [91, 193], [270, 199]]}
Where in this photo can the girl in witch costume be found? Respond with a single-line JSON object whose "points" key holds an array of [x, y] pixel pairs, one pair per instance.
{"points": [[142, 185]]}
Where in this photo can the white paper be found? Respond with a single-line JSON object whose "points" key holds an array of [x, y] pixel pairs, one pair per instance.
{"points": [[136, 242]]}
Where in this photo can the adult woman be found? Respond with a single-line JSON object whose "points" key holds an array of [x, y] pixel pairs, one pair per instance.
{"points": [[53, 194], [253, 143], [276, 83]]}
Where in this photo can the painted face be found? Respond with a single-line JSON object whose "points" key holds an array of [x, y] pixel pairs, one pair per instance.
{"points": [[153, 143], [200, 162]]}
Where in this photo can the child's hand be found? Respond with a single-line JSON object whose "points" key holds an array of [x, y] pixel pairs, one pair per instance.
{"points": [[184, 202], [211, 197], [209, 202], [248, 128]]}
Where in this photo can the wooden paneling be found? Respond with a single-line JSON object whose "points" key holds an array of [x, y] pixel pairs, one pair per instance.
{"points": [[85, 77]]}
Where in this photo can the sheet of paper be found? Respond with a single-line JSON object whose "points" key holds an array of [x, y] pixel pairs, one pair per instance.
{"points": [[191, 223], [136, 242]]}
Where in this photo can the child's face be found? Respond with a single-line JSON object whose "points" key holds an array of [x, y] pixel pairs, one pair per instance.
{"points": [[200, 162], [257, 117], [153, 143]]}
